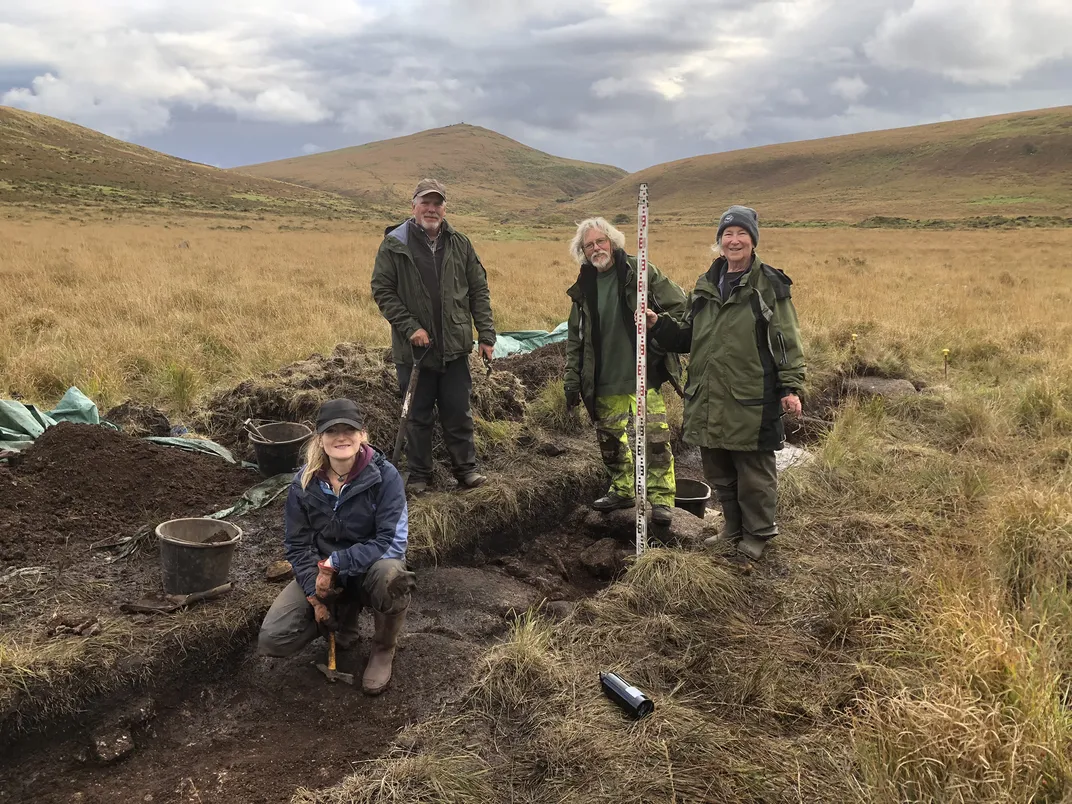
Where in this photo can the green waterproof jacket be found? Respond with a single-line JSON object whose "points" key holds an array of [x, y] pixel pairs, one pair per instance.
{"points": [[745, 356], [582, 344], [404, 300]]}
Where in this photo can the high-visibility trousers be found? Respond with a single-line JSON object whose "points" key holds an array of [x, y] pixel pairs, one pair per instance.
{"points": [[613, 415]]}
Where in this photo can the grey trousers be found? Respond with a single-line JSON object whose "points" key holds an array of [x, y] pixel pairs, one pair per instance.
{"points": [[746, 484], [448, 391], [290, 624]]}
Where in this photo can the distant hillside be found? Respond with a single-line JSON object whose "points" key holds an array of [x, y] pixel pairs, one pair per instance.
{"points": [[1014, 164], [50, 162], [484, 172]]}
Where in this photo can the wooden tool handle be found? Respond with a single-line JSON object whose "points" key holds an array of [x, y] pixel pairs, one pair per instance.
{"points": [[331, 651]]}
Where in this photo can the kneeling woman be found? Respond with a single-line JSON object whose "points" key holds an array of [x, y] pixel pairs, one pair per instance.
{"points": [[346, 535]]}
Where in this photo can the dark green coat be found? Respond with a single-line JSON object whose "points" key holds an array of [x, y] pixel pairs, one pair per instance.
{"points": [[403, 297], [582, 352], [745, 356]]}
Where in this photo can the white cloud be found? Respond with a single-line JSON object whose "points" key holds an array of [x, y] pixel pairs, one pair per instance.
{"points": [[620, 81], [851, 89], [311, 148], [972, 42]]}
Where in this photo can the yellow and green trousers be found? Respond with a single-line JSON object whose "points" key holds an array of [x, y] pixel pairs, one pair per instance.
{"points": [[613, 415]]}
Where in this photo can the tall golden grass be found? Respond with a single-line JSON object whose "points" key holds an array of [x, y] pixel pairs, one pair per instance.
{"points": [[916, 647]]}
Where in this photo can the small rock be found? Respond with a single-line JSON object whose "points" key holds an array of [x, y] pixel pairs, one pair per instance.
{"points": [[184, 244], [109, 746], [279, 571], [550, 450], [559, 609], [605, 559], [879, 386]]}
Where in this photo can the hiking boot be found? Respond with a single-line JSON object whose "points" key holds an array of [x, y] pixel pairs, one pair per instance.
{"points": [[662, 515], [381, 660], [415, 488], [471, 480], [612, 502]]}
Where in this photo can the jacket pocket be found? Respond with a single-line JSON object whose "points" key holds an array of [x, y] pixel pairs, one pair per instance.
{"points": [[781, 344], [747, 397]]}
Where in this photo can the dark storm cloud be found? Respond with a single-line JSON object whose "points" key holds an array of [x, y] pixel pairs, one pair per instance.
{"points": [[617, 81]]}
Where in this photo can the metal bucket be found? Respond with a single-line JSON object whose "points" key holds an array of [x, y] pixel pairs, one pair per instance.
{"points": [[280, 449], [692, 496], [195, 553]]}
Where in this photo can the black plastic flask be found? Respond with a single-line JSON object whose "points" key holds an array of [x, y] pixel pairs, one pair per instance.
{"points": [[635, 703]]}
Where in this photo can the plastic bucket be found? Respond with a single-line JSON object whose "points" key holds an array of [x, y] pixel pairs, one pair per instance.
{"points": [[692, 496], [195, 553], [280, 450]]}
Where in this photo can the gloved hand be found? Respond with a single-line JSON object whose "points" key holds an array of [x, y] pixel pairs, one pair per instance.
{"points": [[325, 580], [573, 399], [325, 620], [401, 585]]}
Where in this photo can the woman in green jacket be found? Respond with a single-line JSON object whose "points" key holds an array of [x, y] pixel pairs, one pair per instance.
{"points": [[745, 372]]}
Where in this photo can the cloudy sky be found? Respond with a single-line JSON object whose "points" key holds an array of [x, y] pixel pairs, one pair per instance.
{"points": [[627, 82]]}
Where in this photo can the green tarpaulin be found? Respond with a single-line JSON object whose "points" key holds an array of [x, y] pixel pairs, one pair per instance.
{"points": [[524, 341]]}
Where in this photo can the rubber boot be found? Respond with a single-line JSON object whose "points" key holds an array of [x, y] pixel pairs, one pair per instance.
{"points": [[731, 526], [753, 546], [378, 671]]}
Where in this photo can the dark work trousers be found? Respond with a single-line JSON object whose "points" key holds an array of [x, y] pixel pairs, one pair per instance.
{"points": [[746, 484], [447, 390]]}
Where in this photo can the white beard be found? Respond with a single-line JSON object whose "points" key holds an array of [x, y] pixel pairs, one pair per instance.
{"points": [[602, 261]]}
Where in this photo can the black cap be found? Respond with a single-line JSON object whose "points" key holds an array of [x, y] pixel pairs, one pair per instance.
{"points": [[339, 411]]}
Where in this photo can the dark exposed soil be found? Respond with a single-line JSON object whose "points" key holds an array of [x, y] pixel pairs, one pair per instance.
{"points": [[537, 368], [79, 484], [256, 728], [136, 419]]}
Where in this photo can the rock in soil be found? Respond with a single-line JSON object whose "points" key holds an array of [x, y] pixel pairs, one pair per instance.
{"points": [[605, 559], [111, 744], [279, 571]]}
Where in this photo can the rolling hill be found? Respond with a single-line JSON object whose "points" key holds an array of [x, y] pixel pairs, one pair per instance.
{"points": [[49, 162], [1013, 164], [484, 172]]}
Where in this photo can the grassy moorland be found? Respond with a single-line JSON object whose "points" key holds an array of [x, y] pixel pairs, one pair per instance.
{"points": [[1006, 165], [483, 170], [49, 164]]}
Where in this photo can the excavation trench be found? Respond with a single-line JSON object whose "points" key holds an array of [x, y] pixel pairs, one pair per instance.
{"points": [[211, 721], [251, 729]]}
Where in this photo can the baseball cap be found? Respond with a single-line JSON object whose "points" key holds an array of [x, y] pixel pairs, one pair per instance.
{"points": [[426, 186], [339, 411]]}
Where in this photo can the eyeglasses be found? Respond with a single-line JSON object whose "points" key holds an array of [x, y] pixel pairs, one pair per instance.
{"points": [[602, 242]]}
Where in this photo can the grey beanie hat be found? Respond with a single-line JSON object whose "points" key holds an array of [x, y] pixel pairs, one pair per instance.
{"points": [[745, 217]]}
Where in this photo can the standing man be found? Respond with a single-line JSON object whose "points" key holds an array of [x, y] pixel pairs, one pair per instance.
{"points": [[429, 284], [601, 363]]}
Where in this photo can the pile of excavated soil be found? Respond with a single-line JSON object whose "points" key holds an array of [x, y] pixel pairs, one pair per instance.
{"points": [[83, 483], [366, 375], [136, 419], [538, 368]]}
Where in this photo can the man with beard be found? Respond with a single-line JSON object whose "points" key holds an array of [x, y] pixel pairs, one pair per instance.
{"points": [[601, 363], [430, 285]]}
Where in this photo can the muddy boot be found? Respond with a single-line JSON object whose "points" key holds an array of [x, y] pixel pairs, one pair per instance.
{"points": [[378, 671], [731, 527], [612, 502], [752, 546]]}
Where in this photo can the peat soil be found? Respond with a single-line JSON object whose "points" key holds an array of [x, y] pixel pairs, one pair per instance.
{"points": [[253, 729]]}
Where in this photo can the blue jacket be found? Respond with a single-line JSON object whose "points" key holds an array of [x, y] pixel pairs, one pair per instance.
{"points": [[368, 522]]}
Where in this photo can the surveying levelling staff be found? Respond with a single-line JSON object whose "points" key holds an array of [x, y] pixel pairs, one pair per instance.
{"points": [[601, 364]]}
